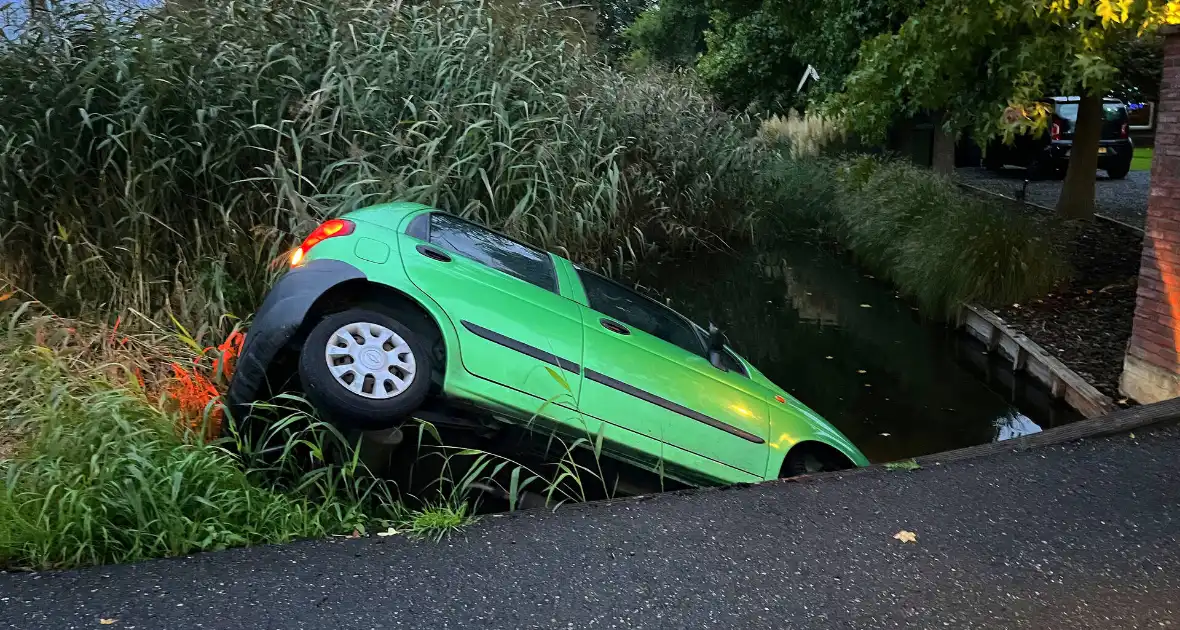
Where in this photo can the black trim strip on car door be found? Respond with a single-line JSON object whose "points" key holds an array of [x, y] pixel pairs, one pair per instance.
{"points": [[521, 347], [599, 377]]}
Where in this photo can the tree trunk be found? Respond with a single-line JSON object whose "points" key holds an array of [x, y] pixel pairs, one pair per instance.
{"points": [[1077, 193], [942, 157]]}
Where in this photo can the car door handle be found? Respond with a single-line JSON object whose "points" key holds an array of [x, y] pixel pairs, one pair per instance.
{"points": [[431, 252], [614, 326]]}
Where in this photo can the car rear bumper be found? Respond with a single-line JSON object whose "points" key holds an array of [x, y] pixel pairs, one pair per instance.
{"points": [[277, 321], [1110, 152]]}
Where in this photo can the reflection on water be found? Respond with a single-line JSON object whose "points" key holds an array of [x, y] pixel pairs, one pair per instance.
{"points": [[847, 346]]}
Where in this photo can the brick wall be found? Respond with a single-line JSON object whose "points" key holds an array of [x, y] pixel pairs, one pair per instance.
{"points": [[1151, 369]]}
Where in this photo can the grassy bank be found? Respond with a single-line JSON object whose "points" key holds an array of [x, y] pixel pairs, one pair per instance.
{"points": [[938, 244], [110, 470]]}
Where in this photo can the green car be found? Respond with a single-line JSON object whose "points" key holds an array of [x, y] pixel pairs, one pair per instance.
{"points": [[397, 305]]}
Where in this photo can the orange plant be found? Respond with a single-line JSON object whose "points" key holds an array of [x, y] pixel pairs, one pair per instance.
{"points": [[193, 391]]}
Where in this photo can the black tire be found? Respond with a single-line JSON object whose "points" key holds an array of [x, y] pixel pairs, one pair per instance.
{"points": [[808, 460], [1118, 171], [340, 404]]}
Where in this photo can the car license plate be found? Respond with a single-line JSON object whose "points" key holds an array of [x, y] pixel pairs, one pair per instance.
{"points": [[1101, 151]]}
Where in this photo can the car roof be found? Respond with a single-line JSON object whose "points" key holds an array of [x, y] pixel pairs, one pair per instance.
{"points": [[1075, 99]]}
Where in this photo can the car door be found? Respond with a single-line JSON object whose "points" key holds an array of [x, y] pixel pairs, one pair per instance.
{"points": [[502, 296], [645, 369]]}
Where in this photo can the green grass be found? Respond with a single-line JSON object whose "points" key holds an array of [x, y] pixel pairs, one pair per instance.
{"points": [[435, 522], [1142, 159], [107, 478], [904, 465]]}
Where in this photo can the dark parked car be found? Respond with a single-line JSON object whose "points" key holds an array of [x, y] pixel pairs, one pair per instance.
{"points": [[1048, 154]]}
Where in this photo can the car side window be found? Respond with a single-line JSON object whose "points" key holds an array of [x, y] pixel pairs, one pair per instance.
{"points": [[615, 300], [494, 250]]}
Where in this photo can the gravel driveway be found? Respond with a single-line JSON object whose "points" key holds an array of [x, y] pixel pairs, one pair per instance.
{"points": [[1125, 200]]}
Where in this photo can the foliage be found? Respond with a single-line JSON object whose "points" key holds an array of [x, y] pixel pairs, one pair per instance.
{"points": [[802, 135], [163, 162], [914, 227], [1140, 63], [1006, 53], [613, 19], [754, 53], [670, 33], [750, 62]]}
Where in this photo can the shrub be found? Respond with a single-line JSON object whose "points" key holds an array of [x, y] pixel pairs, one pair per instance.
{"points": [[938, 244], [162, 160], [802, 135]]}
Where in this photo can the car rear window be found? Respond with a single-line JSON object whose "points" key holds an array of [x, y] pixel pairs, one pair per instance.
{"points": [[494, 250], [1111, 112]]}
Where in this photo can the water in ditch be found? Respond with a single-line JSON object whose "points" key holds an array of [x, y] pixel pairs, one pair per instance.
{"points": [[848, 346]]}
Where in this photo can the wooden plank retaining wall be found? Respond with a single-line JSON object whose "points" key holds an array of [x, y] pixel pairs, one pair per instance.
{"points": [[1029, 357]]}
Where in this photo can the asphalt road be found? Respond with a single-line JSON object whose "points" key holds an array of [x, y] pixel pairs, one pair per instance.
{"points": [[1122, 199], [1076, 536]]}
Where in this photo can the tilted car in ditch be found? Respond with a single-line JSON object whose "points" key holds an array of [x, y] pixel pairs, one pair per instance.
{"points": [[397, 306]]}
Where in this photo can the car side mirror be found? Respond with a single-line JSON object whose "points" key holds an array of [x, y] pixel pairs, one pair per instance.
{"points": [[716, 346]]}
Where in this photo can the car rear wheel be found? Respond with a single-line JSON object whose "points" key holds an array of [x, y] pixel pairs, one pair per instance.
{"points": [[1118, 171], [364, 369]]}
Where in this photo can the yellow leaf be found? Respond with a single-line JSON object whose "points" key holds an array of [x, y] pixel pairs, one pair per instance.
{"points": [[906, 537], [106, 622], [6, 296], [860, 371], [559, 378]]}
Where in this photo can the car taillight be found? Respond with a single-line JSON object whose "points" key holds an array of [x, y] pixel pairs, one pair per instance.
{"points": [[335, 227], [1123, 131], [1055, 132]]}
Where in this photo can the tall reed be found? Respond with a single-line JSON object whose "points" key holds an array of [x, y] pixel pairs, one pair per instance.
{"points": [[162, 159]]}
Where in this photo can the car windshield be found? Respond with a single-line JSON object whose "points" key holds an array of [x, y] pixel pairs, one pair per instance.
{"points": [[1111, 112]]}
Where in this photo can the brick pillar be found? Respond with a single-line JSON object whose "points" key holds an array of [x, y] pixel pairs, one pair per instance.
{"points": [[1151, 367]]}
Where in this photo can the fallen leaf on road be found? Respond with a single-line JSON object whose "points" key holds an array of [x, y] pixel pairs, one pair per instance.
{"points": [[106, 622], [906, 537], [389, 532], [828, 357], [866, 306], [886, 434], [1132, 436], [860, 371]]}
